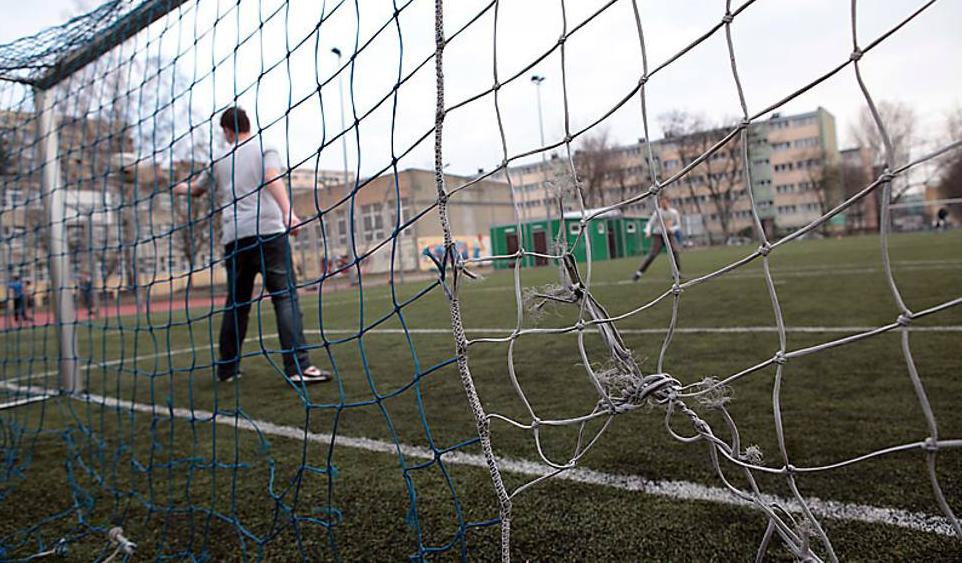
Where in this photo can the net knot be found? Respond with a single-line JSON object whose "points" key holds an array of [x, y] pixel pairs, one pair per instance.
{"points": [[728, 18], [562, 39], [62, 548], [752, 454], [930, 445], [886, 176], [676, 289], [496, 86], [904, 319], [713, 394], [780, 358], [764, 249], [655, 190], [643, 80], [856, 55]]}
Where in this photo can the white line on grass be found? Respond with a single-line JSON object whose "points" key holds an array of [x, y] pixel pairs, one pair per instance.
{"points": [[778, 273], [682, 330], [675, 490], [505, 331]]}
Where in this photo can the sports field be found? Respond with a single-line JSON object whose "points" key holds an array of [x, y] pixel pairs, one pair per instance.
{"points": [[383, 464]]}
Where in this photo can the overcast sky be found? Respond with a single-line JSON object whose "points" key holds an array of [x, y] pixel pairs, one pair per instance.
{"points": [[780, 46]]}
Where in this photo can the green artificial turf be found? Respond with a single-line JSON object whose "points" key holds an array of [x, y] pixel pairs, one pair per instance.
{"points": [[73, 468]]}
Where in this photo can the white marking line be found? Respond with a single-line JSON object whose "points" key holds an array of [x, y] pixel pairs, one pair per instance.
{"points": [[88, 366], [675, 490], [680, 330], [507, 331], [777, 273]]}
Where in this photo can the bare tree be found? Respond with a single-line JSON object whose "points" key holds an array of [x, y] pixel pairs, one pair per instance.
{"points": [[720, 175], [594, 162], [851, 179], [6, 160], [944, 165], [950, 165], [826, 179], [899, 121], [157, 128]]}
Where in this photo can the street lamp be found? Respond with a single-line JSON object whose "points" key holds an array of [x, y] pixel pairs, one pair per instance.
{"points": [[537, 79], [340, 91]]}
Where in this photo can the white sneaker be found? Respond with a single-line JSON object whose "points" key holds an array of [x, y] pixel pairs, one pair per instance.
{"points": [[311, 374]]}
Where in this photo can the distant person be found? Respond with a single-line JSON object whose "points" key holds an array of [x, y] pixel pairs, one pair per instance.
{"points": [[942, 219], [86, 287], [679, 236], [28, 300], [16, 296], [671, 218], [255, 219]]}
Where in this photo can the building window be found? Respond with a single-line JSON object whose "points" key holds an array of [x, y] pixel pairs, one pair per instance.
{"points": [[806, 143], [574, 228], [14, 197], [785, 188], [342, 228], [630, 228], [781, 146], [784, 167], [372, 221]]}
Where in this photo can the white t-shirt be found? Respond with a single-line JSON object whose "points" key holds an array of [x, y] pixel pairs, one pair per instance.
{"points": [[672, 221], [247, 209]]}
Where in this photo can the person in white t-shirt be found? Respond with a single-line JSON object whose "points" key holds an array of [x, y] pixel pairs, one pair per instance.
{"points": [[672, 220], [256, 217]]}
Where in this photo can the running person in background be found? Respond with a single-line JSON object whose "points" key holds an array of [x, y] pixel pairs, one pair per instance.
{"points": [[28, 300], [942, 219], [255, 218], [672, 221], [87, 295], [15, 294]]}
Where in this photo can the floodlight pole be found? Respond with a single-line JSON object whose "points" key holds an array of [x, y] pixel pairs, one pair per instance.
{"points": [[537, 79], [340, 92], [59, 252]]}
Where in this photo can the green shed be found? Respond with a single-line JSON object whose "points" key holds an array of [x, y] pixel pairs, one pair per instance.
{"points": [[611, 234]]}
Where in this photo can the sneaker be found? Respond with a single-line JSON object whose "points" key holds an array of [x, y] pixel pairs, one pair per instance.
{"points": [[236, 375], [311, 374], [637, 276]]}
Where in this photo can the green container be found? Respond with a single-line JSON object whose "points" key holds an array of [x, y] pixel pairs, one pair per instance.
{"points": [[610, 236]]}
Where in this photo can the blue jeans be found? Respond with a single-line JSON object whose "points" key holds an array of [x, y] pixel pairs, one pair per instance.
{"points": [[269, 256]]}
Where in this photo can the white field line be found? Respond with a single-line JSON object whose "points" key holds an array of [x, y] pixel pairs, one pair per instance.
{"points": [[678, 330], [507, 331], [778, 274], [675, 490]]}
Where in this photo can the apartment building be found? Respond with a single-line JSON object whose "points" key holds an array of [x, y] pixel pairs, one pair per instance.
{"points": [[803, 147], [609, 175], [93, 193], [858, 172], [333, 235], [788, 157]]}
